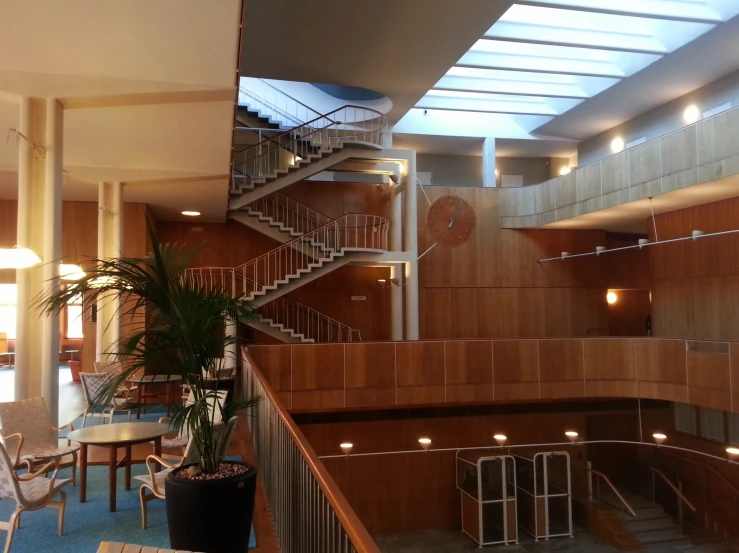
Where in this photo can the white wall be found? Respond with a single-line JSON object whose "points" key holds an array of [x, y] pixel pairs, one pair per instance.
{"points": [[661, 120]]}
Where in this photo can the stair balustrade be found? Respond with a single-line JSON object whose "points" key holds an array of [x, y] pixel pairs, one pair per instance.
{"points": [[310, 251], [271, 102], [307, 141], [289, 213]]}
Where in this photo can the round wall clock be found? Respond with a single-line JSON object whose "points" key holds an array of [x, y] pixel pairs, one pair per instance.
{"points": [[450, 221]]}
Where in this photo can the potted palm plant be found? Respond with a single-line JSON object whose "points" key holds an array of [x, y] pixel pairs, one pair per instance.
{"points": [[178, 327]]}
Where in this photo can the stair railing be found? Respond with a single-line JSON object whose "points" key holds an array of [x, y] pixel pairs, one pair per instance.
{"points": [[262, 96], [291, 314], [594, 490], [306, 321], [290, 213], [277, 154], [681, 499], [352, 231]]}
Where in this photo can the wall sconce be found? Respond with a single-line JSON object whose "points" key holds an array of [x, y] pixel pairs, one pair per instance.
{"points": [[389, 283], [643, 242], [611, 298], [565, 254], [346, 448], [733, 453], [500, 439], [572, 436], [600, 249], [71, 272], [425, 443], [659, 438], [696, 234]]}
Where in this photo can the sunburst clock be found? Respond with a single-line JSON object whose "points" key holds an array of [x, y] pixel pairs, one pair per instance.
{"points": [[450, 221]]}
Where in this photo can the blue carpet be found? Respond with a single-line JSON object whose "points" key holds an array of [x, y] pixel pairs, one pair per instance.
{"points": [[87, 524]]}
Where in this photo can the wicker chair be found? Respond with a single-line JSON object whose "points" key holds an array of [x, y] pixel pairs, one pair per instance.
{"points": [[154, 481], [29, 491], [29, 424], [92, 383]]}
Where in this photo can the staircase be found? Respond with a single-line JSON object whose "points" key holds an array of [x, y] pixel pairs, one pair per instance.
{"points": [[298, 261], [303, 151]]}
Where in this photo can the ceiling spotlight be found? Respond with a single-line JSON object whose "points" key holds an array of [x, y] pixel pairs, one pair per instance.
{"points": [[691, 114], [191, 213], [659, 438], [572, 436], [564, 171], [733, 452], [425, 443], [346, 448], [611, 298], [617, 145], [500, 439]]}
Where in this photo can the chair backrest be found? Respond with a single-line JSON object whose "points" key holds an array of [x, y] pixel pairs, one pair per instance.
{"points": [[29, 417], [113, 369], [9, 487], [222, 434], [92, 384], [3, 342], [211, 400]]}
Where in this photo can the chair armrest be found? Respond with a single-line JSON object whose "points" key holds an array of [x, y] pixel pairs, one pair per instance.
{"points": [[150, 461], [18, 449], [58, 428], [43, 469]]}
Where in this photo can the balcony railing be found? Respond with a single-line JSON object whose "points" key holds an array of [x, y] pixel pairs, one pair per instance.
{"points": [[308, 509]]}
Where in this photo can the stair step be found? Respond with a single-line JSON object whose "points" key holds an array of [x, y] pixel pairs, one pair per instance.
{"points": [[672, 536], [650, 513], [653, 524]]}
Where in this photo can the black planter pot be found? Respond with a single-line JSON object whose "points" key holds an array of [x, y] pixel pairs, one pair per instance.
{"points": [[212, 516]]}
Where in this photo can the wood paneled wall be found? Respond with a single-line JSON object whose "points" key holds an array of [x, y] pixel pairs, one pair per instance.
{"points": [[335, 199], [79, 246], [492, 286], [695, 290], [321, 377]]}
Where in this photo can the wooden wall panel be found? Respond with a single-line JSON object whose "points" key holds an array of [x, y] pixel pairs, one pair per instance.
{"points": [[335, 199], [389, 374]]}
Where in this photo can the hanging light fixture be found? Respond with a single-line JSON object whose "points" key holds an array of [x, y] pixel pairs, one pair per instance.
{"points": [[18, 258], [71, 272]]}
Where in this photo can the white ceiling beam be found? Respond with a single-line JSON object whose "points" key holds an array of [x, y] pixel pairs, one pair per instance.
{"points": [[502, 66], [504, 111], [533, 90], [663, 9]]}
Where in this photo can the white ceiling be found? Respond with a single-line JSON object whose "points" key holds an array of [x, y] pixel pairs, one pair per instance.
{"points": [[149, 91], [397, 48]]}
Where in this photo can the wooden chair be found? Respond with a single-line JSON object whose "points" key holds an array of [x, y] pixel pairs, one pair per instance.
{"points": [[112, 370], [27, 421], [117, 547], [30, 492], [181, 440], [92, 384], [154, 481]]}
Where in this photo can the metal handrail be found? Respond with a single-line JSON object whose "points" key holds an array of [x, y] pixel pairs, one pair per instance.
{"points": [[290, 213], [681, 497], [624, 504], [720, 476], [309, 510], [321, 134]]}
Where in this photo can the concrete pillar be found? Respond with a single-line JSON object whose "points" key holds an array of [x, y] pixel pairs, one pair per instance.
{"points": [[410, 231], [110, 245], [39, 228], [489, 178]]}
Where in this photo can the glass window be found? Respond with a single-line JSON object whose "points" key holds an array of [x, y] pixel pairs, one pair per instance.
{"points": [[733, 428], [8, 301], [712, 424], [74, 318], [685, 418]]}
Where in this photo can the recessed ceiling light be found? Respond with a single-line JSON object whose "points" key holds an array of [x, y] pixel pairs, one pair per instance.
{"points": [[191, 213]]}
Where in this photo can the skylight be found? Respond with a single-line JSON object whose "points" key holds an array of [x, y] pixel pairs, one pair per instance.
{"points": [[543, 57]]}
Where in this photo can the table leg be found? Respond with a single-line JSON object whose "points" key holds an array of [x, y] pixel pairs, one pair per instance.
{"points": [[157, 452], [128, 467], [112, 473], [138, 399], [83, 473]]}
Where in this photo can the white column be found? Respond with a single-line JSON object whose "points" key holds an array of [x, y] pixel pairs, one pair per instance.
{"points": [[396, 303], [489, 178], [410, 231], [39, 228], [110, 245], [230, 351]]}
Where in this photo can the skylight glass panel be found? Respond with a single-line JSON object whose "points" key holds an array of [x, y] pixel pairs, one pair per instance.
{"points": [[695, 10]]}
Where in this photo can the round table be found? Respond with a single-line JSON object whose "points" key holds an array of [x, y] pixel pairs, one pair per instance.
{"points": [[113, 436], [171, 380]]}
